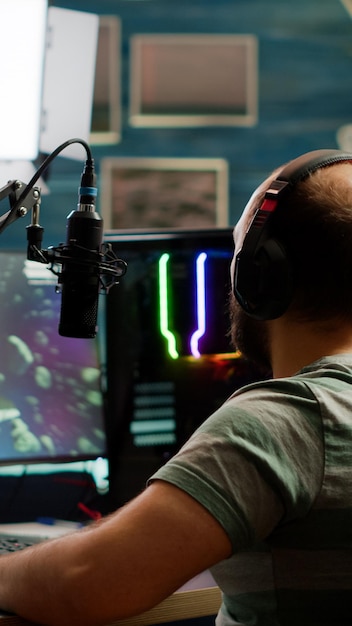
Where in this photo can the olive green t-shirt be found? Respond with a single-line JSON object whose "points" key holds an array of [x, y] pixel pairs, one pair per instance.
{"points": [[274, 466]]}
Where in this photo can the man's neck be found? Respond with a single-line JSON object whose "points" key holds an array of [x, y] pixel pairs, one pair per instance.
{"points": [[295, 344]]}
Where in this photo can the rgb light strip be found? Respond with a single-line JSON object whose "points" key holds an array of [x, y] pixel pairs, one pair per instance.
{"points": [[201, 318], [164, 305]]}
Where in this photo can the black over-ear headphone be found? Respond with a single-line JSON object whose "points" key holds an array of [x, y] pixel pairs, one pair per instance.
{"points": [[262, 275]]}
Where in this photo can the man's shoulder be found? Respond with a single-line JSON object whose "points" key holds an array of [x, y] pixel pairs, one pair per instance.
{"points": [[331, 372]]}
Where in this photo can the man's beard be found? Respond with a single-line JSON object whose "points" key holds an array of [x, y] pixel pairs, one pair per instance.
{"points": [[249, 336]]}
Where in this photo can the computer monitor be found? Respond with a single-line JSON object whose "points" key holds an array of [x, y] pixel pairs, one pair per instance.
{"points": [[170, 363], [51, 400]]}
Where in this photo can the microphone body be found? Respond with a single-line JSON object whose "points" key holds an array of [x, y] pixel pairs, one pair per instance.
{"points": [[79, 277], [87, 265]]}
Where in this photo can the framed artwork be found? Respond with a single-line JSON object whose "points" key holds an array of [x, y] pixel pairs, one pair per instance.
{"points": [[152, 193], [106, 110], [193, 80]]}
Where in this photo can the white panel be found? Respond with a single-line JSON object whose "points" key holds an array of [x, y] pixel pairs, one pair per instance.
{"points": [[69, 79], [20, 170], [22, 45]]}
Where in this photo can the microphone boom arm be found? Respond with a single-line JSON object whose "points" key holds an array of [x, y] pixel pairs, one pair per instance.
{"points": [[19, 206], [24, 197], [27, 197]]}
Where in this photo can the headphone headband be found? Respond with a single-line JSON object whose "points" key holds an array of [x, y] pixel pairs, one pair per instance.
{"points": [[262, 280]]}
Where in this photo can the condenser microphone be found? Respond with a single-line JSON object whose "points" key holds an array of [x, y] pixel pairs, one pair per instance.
{"points": [[79, 279], [84, 265]]}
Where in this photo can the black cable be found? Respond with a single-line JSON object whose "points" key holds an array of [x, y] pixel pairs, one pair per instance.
{"points": [[47, 162]]}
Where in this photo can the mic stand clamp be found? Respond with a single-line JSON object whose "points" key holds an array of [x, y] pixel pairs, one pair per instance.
{"points": [[106, 264], [102, 266], [20, 202]]}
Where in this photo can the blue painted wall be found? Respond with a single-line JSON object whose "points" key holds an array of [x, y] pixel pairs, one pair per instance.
{"points": [[305, 93]]}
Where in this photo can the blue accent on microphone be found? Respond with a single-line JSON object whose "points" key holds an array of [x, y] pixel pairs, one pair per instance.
{"points": [[88, 191]]}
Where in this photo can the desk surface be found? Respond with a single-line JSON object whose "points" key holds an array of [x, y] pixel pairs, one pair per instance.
{"points": [[198, 598]]}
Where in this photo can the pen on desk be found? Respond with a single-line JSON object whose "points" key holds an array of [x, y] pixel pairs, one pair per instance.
{"points": [[91, 513], [51, 521]]}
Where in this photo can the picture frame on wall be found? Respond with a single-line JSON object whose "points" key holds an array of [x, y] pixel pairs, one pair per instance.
{"points": [[157, 193], [193, 80], [106, 108]]}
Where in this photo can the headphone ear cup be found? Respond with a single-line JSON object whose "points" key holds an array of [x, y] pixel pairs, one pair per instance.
{"points": [[263, 284], [261, 274]]}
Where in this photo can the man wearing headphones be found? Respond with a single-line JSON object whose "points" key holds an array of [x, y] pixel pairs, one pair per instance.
{"points": [[262, 492]]}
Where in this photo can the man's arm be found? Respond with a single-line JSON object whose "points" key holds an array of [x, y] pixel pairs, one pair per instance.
{"points": [[121, 567]]}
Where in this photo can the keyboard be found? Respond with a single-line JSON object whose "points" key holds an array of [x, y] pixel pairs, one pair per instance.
{"points": [[8, 543]]}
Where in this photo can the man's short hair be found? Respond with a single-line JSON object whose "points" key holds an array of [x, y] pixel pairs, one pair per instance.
{"points": [[314, 223]]}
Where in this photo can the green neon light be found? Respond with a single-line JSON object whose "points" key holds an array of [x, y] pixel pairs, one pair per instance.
{"points": [[164, 306]]}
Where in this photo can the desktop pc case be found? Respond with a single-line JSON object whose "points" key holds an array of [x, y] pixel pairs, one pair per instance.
{"points": [[169, 359]]}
